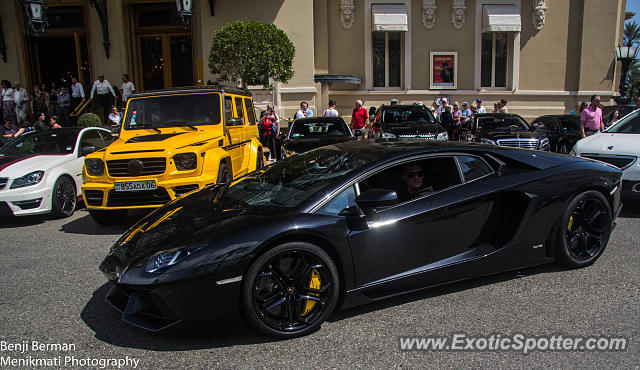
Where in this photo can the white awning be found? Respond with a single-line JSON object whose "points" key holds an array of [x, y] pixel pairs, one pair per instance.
{"points": [[500, 18], [390, 17]]}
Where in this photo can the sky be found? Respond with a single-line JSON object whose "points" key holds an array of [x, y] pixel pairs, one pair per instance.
{"points": [[634, 6]]}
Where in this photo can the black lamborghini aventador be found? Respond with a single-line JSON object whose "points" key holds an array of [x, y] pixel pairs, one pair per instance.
{"points": [[357, 222]]}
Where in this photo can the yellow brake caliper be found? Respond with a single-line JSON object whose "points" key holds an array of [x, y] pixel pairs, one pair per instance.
{"points": [[314, 283], [570, 223]]}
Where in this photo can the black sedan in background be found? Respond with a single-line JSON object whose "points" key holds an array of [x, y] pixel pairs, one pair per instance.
{"points": [[357, 222], [310, 133], [504, 129], [563, 131], [406, 121]]}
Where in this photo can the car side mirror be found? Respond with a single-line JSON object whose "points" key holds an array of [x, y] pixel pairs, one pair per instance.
{"points": [[374, 198], [234, 122], [87, 150]]}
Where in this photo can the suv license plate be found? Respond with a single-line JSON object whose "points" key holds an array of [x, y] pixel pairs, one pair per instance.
{"points": [[135, 185]]}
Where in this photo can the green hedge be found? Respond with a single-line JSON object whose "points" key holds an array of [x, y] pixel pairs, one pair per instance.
{"points": [[89, 120]]}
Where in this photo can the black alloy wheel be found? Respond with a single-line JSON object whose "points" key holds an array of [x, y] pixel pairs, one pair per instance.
{"points": [[585, 229], [563, 149], [64, 197], [224, 174], [290, 290]]}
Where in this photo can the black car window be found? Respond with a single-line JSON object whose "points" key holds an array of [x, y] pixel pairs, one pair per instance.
{"points": [[251, 113], [570, 122], [346, 199], [306, 129], [502, 123], [228, 108], [473, 167], [630, 124], [406, 113], [108, 138], [239, 111], [92, 138], [58, 141]]}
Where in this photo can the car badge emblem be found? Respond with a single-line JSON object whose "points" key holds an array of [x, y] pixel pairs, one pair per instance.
{"points": [[135, 167], [610, 147]]}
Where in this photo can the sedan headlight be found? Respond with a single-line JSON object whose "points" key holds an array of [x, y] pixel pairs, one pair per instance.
{"points": [[442, 136], [164, 259], [185, 161], [388, 135], [29, 179], [573, 152], [94, 166], [487, 141], [544, 144]]}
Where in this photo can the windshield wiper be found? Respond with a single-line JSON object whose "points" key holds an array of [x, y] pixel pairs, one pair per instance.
{"points": [[180, 124], [147, 125]]}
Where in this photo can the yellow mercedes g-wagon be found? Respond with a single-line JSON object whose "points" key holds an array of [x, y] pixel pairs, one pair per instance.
{"points": [[172, 142]]}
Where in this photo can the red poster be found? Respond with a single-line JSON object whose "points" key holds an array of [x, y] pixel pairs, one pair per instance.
{"points": [[443, 70]]}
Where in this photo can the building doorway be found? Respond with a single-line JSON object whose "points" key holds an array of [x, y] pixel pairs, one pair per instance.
{"points": [[164, 48]]}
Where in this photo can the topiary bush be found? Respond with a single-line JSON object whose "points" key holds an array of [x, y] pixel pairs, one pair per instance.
{"points": [[89, 120]]}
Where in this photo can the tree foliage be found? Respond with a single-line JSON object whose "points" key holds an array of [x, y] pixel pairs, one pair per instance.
{"points": [[251, 53], [632, 38], [89, 120], [631, 34]]}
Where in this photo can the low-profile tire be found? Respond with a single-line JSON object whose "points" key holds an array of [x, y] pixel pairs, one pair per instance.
{"points": [[290, 290], [224, 174], [584, 230], [108, 217], [563, 149], [64, 197]]}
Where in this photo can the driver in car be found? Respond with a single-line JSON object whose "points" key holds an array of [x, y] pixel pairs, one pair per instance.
{"points": [[413, 183]]}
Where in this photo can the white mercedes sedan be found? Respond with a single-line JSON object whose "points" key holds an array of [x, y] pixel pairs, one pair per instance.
{"points": [[619, 145], [41, 171]]}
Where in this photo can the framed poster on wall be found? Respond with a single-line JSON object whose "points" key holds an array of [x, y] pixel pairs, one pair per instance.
{"points": [[443, 70]]}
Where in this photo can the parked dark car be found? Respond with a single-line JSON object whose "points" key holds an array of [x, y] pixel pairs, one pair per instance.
{"points": [[310, 133], [504, 129], [406, 121], [331, 228], [563, 131]]}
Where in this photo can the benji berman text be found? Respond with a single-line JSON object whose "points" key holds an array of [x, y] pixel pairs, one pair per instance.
{"points": [[34, 345]]}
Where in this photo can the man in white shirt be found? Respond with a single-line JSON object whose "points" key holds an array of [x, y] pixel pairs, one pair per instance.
{"points": [[127, 88], [77, 93], [304, 111], [443, 103], [100, 92], [479, 107], [20, 97]]}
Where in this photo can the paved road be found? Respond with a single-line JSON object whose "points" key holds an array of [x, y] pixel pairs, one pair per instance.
{"points": [[52, 292]]}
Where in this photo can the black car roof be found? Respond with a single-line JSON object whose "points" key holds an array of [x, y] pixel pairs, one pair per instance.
{"points": [[187, 90], [319, 119]]}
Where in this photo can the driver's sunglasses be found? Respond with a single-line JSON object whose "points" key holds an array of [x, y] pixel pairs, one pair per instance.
{"points": [[415, 174]]}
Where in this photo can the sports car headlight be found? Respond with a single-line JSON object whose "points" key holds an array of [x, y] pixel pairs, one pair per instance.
{"points": [[185, 161], [487, 141], [29, 179], [573, 152], [164, 259], [544, 144], [388, 135], [94, 166], [442, 136]]}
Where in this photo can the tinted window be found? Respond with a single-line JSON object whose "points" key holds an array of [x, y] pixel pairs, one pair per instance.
{"points": [[92, 138], [314, 129], [403, 113], [108, 138], [473, 168], [174, 110], [628, 125], [49, 141], [239, 111], [251, 113], [502, 123], [228, 108], [347, 198]]}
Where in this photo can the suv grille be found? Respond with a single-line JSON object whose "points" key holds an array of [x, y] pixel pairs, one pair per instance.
{"points": [[3, 182], [519, 143], [138, 198], [620, 161], [131, 167]]}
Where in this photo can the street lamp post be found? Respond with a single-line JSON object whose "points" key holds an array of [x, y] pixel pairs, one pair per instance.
{"points": [[34, 11], [625, 54]]}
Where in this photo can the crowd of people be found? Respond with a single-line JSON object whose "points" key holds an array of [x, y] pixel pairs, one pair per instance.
{"points": [[49, 105]]}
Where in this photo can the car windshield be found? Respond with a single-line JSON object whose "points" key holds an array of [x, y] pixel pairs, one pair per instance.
{"points": [[173, 110], [290, 182], [56, 141], [629, 124], [502, 123], [397, 115], [301, 129]]}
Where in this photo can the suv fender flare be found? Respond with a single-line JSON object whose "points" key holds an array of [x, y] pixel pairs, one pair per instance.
{"points": [[254, 148], [212, 159]]}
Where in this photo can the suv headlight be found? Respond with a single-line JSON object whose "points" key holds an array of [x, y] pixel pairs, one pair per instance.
{"points": [[185, 161], [170, 257], [388, 135], [29, 179], [487, 141], [442, 136], [94, 166], [544, 144]]}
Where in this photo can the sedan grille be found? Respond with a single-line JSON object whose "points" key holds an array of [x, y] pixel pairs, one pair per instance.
{"points": [[620, 161], [138, 198], [421, 136], [519, 143], [3, 182], [137, 167]]}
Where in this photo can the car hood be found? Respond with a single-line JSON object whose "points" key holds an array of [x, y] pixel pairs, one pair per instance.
{"points": [[509, 134], [17, 166], [610, 143], [413, 128], [196, 219], [301, 145]]}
